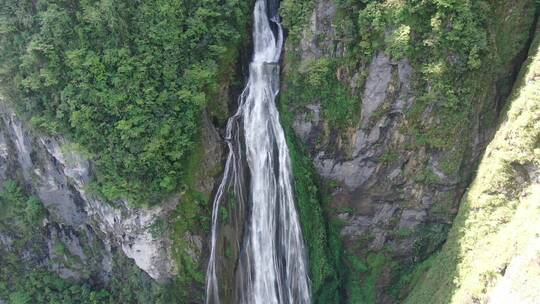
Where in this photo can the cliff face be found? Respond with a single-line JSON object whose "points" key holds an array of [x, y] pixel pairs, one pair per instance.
{"points": [[492, 253], [50, 169], [393, 155], [83, 238], [393, 188], [115, 244]]}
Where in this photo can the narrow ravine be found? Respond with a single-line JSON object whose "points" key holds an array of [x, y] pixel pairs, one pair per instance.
{"points": [[272, 266]]}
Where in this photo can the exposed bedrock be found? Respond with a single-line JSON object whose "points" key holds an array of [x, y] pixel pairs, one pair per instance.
{"points": [[390, 193], [54, 171]]}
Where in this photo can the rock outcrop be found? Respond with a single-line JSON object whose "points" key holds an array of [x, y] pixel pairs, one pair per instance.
{"points": [[52, 169], [492, 254], [388, 191]]}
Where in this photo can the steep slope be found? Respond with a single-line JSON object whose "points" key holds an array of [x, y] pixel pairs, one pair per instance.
{"points": [[51, 227], [493, 250], [395, 101], [387, 107], [110, 116]]}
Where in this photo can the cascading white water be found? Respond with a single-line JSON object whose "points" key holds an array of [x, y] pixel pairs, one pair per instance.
{"points": [[272, 267]]}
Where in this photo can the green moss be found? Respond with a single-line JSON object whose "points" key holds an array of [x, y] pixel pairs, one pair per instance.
{"points": [[389, 156], [427, 177], [498, 217], [408, 275], [364, 274], [318, 83], [429, 239], [322, 242], [403, 232], [442, 209]]}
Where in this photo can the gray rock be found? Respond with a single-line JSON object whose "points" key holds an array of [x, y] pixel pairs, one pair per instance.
{"points": [[384, 214], [213, 152], [357, 225], [21, 141], [59, 176], [404, 99], [306, 125], [352, 173], [320, 25], [6, 241], [380, 75], [379, 239], [385, 196], [411, 218]]}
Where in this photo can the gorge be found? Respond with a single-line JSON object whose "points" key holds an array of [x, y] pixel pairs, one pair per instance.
{"points": [[293, 151]]}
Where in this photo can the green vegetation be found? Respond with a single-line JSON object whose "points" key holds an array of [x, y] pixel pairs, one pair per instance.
{"points": [[24, 279], [498, 218], [408, 276], [45, 287], [19, 211], [318, 83], [191, 216], [457, 47], [364, 274], [321, 237], [295, 15], [460, 51], [127, 80]]}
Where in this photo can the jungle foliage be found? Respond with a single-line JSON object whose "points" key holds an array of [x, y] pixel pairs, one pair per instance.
{"points": [[125, 79]]}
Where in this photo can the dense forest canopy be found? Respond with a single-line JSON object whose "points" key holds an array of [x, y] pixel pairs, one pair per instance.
{"points": [[126, 79]]}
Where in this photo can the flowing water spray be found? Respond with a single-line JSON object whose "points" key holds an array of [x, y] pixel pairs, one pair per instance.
{"points": [[272, 267]]}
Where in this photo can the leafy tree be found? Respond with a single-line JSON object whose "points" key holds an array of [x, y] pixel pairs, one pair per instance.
{"points": [[126, 79]]}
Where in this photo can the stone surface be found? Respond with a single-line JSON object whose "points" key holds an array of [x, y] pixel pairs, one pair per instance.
{"points": [[376, 86], [58, 175], [385, 187]]}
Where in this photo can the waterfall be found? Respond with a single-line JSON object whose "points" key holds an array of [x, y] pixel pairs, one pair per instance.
{"points": [[271, 266]]}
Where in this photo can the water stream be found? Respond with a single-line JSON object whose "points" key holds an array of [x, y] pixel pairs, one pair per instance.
{"points": [[271, 266]]}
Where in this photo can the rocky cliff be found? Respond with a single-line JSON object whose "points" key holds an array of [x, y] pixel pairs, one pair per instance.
{"points": [[58, 175], [393, 103], [84, 238], [394, 161], [492, 253]]}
